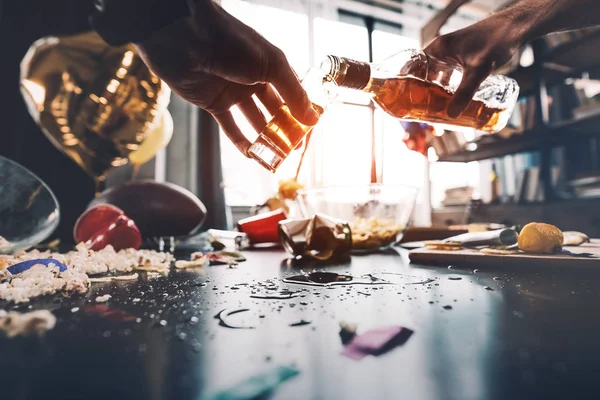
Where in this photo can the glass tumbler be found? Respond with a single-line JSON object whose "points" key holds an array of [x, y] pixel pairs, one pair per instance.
{"points": [[284, 133]]}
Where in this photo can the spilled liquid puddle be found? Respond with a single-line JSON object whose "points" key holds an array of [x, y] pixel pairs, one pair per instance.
{"points": [[226, 319], [334, 279], [280, 296], [300, 323]]}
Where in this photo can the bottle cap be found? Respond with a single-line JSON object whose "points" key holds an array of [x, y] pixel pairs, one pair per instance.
{"points": [[320, 237]]}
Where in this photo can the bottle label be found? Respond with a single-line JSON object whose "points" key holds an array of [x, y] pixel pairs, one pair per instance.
{"points": [[358, 74]]}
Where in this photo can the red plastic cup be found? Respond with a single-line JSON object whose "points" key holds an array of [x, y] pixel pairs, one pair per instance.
{"points": [[262, 228]]}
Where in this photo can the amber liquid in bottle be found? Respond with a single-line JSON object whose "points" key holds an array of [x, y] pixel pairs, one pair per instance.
{"points": [[414, 99], [284, 132]]}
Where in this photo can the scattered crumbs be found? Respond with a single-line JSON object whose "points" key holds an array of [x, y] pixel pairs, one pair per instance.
{"points": [[102, 299], [26, 324], [488, 288], [74, 309], [163, 322], [194, 320], [447, 307], [99, 280], [131, 277], [136, 300]]}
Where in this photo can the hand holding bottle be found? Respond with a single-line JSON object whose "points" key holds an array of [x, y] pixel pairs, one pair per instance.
{"points": [[491, 42], [215, 62], [480, 49]]}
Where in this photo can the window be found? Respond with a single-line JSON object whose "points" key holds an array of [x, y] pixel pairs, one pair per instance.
{"points": [[352, 129]]}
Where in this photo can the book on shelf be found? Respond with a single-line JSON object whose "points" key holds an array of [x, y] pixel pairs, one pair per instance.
{"points": [[586, 187], [458, 196]]}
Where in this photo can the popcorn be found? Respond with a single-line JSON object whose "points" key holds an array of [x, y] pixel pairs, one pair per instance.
{"points": [[373, 233], [28, 324], [40, 280]]}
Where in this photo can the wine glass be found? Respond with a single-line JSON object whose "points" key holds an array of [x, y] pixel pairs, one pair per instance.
{"points": [[29, 211]]}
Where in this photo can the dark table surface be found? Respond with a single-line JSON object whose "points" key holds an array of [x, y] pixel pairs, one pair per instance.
{"points": [[534, 335]]}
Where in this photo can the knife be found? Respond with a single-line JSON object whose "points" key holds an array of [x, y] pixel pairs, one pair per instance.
{"points": [[499, 237]]}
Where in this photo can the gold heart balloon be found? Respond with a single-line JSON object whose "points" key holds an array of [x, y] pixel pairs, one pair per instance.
{"points": [[96, 103], [156, 140]]}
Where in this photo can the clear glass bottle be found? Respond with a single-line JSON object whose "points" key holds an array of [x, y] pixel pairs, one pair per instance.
{"points": [[284, 133], [415, 87]]}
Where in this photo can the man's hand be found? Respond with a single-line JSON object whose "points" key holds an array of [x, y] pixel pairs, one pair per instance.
{"points": [[215, 62], [490, 43], [479, 49]]}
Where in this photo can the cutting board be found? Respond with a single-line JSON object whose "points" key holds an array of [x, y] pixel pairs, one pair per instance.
{"points": [[476, 259]]}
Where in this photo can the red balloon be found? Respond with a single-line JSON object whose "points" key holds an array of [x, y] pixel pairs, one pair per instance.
{"points": [[105, 225]]}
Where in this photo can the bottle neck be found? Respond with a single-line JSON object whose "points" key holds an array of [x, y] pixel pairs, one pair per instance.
{"points": [[347, 73]]}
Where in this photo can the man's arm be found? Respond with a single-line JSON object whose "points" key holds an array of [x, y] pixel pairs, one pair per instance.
{"points": [[209, 58], [491, 42]]}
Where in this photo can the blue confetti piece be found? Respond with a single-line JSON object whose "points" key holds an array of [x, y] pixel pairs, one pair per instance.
{"points": [[257, 386], [25, 265]]}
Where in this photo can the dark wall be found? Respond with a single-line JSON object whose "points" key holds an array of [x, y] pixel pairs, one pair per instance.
{"points": [[21, 23]]}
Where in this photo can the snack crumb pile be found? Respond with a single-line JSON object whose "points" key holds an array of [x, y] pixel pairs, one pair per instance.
{"points": [[103, 299], [28, 324], [40, 280]]}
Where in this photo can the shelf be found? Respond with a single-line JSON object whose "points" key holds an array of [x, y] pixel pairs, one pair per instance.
{"points": [[566, 60], [555, 134]]}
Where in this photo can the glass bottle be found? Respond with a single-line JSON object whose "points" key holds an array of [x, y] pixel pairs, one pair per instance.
{"points": [[284, 133], [415, 87]]}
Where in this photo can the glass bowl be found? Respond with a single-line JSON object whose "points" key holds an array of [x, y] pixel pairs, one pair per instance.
{"points": [[29, 211], [378, 214]]}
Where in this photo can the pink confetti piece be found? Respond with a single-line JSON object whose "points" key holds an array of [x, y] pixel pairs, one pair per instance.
{"points": [[376, 342]]}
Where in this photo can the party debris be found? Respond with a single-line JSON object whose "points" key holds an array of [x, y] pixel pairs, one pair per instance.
{"points": [[215, 243], [197, 260], [376, 342], [132, 277], [256, 387], [225, 257], [225, 320], [40, 280], [347, 331], [109, 313], [34, 323], [103, 299], [101, 280], [25, 265], [37, 273], [4, 242]]}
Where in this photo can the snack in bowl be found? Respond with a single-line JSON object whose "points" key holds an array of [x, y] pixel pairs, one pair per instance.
{"points": [[373, 233], [537, 237], [377, 214]]}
